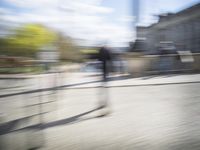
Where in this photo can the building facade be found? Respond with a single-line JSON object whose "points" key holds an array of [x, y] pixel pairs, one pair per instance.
{"points": [[182, 28]]}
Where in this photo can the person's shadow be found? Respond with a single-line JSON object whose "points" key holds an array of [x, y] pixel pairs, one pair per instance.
{"points": [[72, 120], [12, 125]]}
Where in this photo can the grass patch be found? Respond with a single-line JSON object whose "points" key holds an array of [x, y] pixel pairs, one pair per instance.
{"points": [[18, 70]]}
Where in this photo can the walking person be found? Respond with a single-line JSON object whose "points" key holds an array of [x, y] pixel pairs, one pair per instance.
{"points": [[104, 57]]}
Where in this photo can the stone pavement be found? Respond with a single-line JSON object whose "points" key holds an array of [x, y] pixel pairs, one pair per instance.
{"points": [[84, 80], [144, 117], [147, 113]]}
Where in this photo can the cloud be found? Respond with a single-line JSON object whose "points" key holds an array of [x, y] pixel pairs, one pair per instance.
{"points": [[4, 11], [80, 19], [33, 3], [86, 8], [127, 18]]}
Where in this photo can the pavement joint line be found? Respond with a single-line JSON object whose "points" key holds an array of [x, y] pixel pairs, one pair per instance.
{"points": [[13, 87], [38, 104], [64, 87], [134, 85], [28, 76]]}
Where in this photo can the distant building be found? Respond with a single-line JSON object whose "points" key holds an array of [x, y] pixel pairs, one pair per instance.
{"points": [[182, 28]]}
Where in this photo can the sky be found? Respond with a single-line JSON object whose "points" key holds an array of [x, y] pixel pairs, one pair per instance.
{"points": [[90, 22]]}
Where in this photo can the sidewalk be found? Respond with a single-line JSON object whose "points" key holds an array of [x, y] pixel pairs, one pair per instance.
{"points": [[90, 80], [84, 80], [142, 116]]}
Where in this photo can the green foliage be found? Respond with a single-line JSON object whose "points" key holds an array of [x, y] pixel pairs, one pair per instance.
{"points": [[68, 49], [16, 70], [27, 40], [33, 36], [89, 51]]}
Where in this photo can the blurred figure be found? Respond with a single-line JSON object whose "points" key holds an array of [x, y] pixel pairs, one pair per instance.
{"points": [[104, 57]]}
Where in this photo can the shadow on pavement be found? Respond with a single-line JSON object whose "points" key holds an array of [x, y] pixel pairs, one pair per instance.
{"points": [[10, 126], [71, 120], [124, 77]]}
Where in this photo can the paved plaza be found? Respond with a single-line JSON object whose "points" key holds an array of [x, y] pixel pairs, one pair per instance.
{"points": [[146, 113]]}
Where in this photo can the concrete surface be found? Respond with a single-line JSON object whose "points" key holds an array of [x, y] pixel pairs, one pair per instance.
{"points": [[147, 113]]}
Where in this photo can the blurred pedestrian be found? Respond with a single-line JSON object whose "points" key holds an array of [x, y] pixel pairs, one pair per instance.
{"points": [[104, 57]]}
